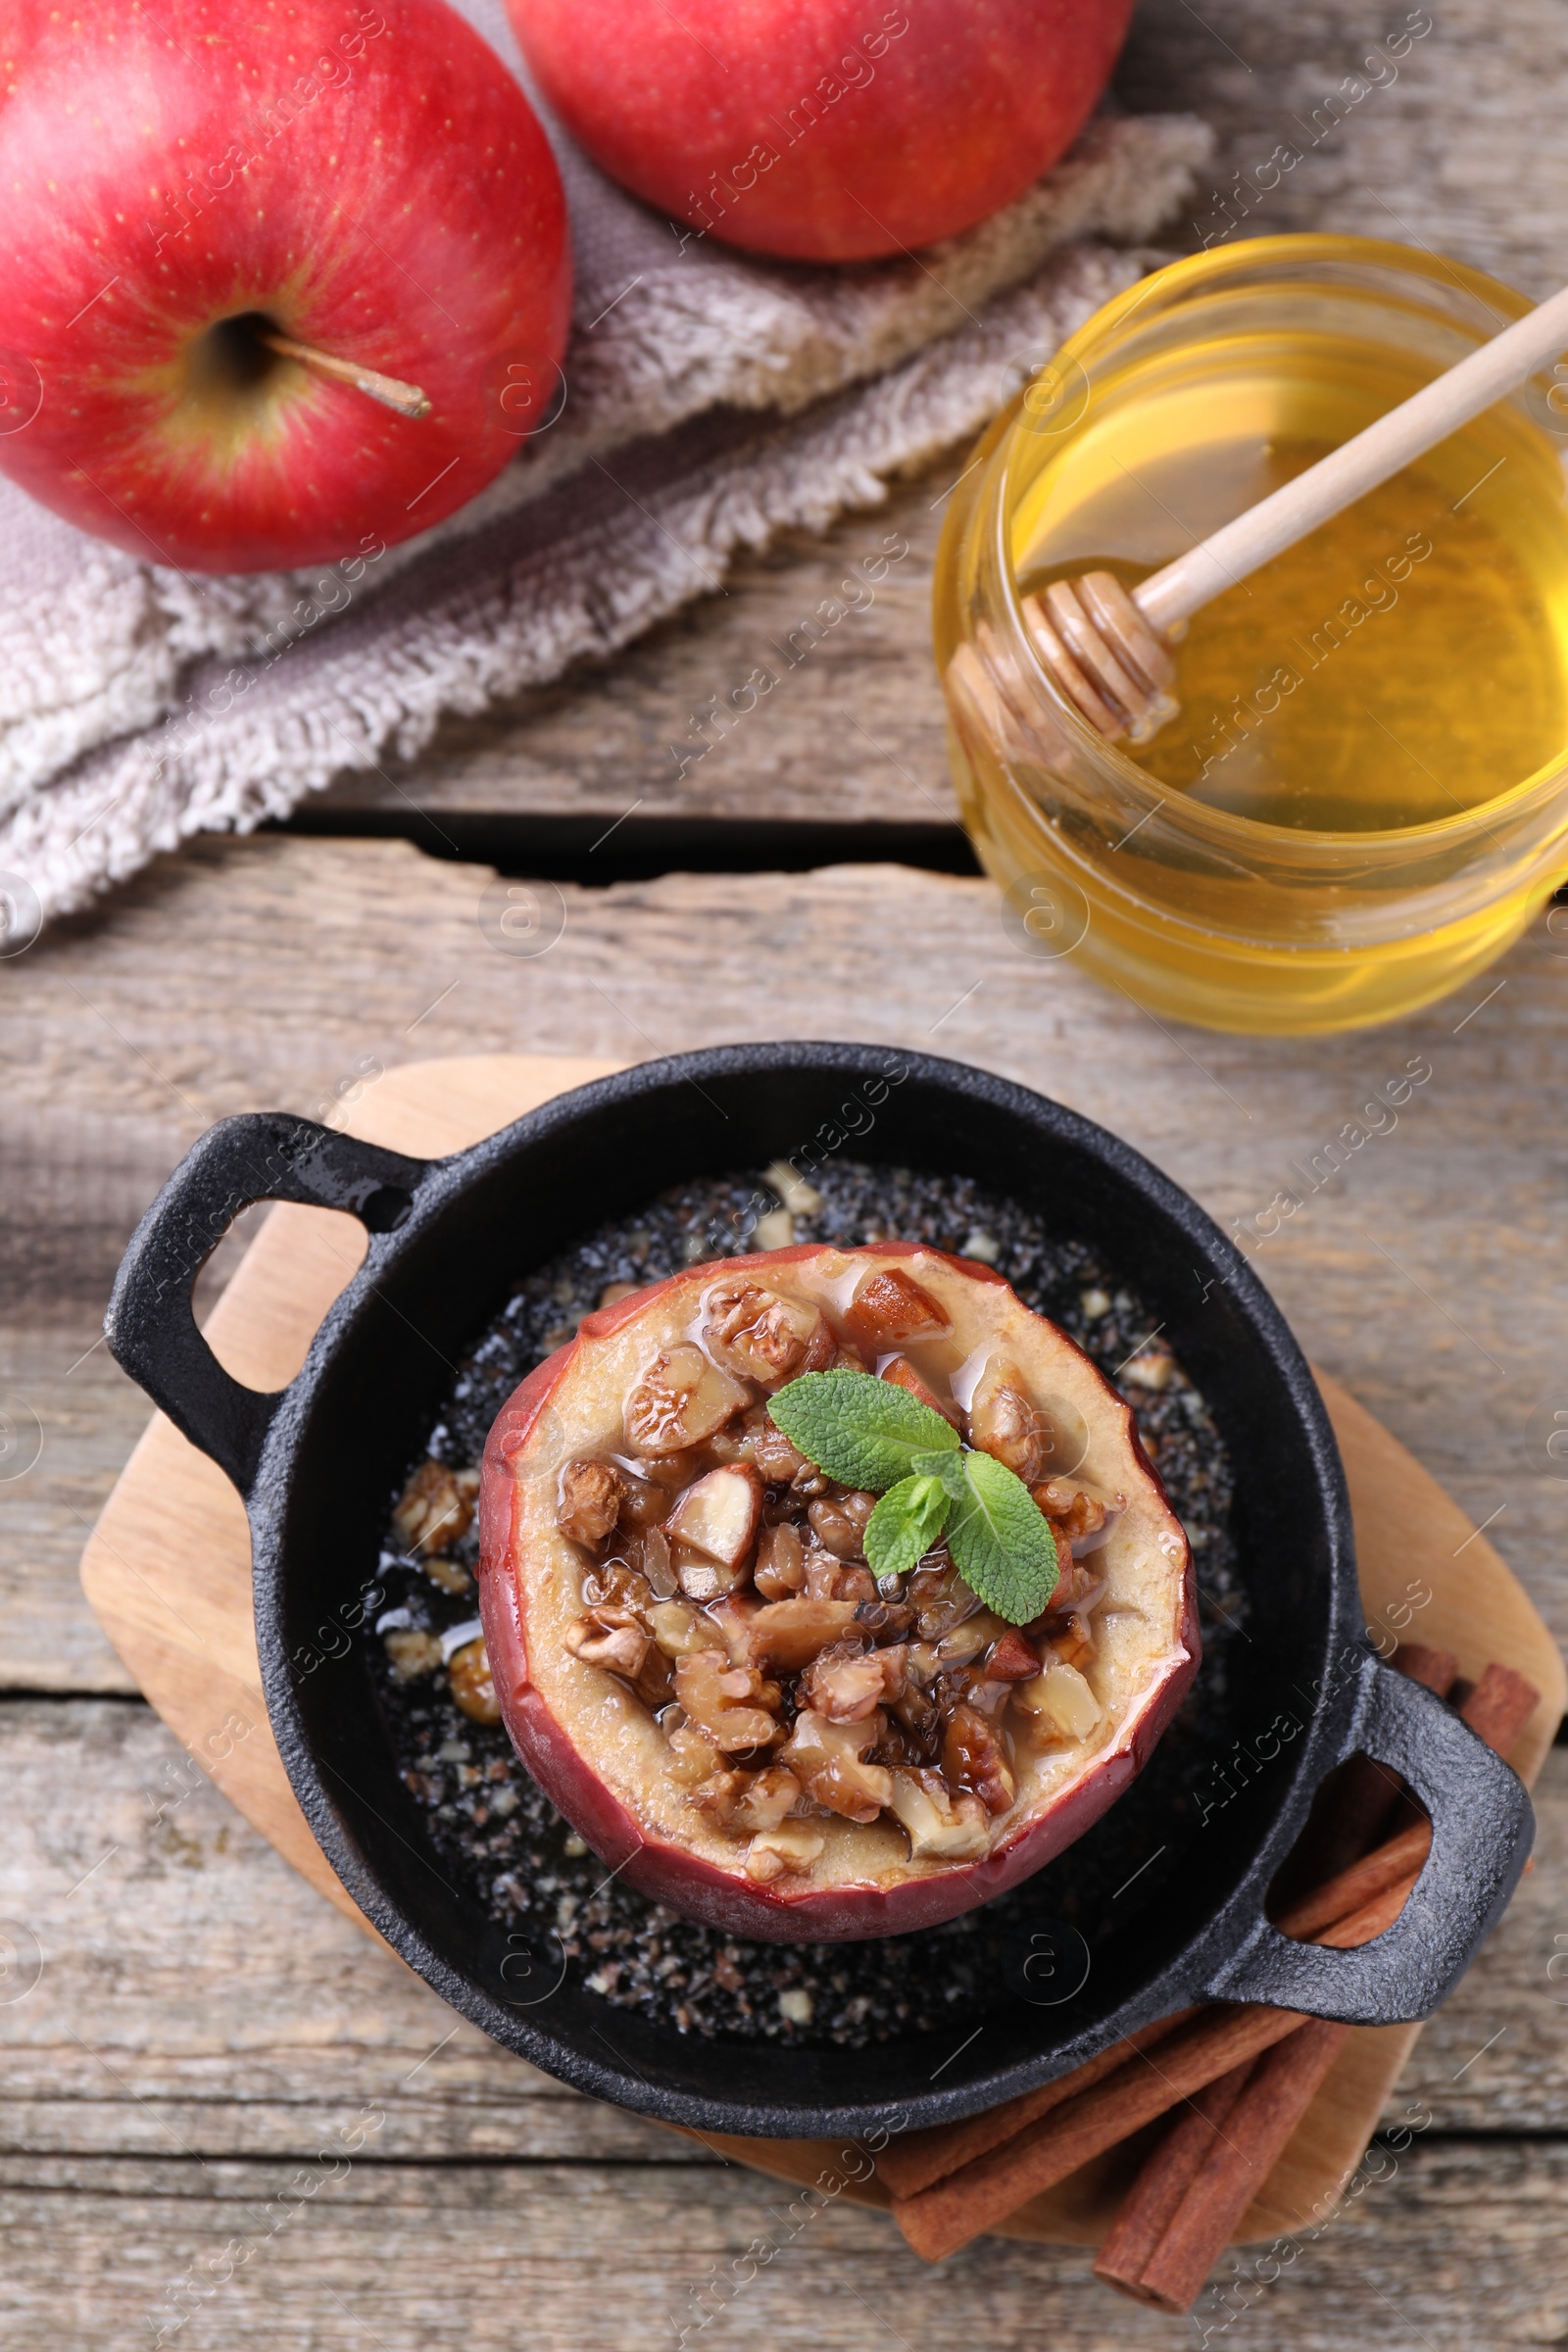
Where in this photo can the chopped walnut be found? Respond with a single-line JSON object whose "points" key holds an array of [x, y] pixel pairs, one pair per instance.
{"points": [[412, 1654], [448, 1576], [780, 1563], [436, 1509], [972, 1757], [1061, 1703], [588, 1502], [692, 1757], [643, 1500], [788, 1634], [680, 1629], [939, 1596], [620, 1585], [747, 1801], [681, 1398], [942, 1826], [831, 1579], [764, 1337], [769, 1857], [472, 1684], [610, 1638], [777, 1460], [1006, 1422], [1071, 1510], [839, 1523], [828, 1760], [731, 1703], [717, 1797], [847, 1682], [890, 1306]]}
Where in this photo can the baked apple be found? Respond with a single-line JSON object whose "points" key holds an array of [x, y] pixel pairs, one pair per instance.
{"points": [[829, 1593]]}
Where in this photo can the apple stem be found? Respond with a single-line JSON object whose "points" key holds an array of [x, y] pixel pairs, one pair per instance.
{"points": [[407, 399]]}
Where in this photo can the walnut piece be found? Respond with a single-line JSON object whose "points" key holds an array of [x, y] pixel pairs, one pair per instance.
{"points": [[730, 1703], [942, 1826], [1061, 1703], [610, 1638], [973, 1758], [839, 1523], [788, 1634], [847, 1682], [939, 1596], [831, 1579], [1072, 1510], [588, 1502], [769, 1856], [692, 1757], [680, 1400], [748, 1802], [889, 1307], [412, 1654], [764, 1337], [436, 1509], [472, 1684], [1006, 1422], [828, 1760]]}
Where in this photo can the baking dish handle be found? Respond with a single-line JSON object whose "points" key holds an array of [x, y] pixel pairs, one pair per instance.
{"points": [[1482, 1830], [150, 1325]]}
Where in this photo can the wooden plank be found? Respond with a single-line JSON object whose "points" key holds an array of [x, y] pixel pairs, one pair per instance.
{"points": [[1453, 2248], [336, 956], [1421, 147]]}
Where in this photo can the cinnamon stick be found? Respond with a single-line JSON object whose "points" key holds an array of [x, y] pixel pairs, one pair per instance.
{"points": [[1150, 2204], [1280, 2088], [1204, 2188], [912, 2163], [939, 2220]]}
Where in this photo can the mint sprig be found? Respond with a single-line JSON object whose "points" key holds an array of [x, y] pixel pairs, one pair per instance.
{"points": [[873, 1435], [864, 1432]]}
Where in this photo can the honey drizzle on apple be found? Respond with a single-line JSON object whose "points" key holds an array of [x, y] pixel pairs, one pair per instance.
{"points": [[740, 1610]]}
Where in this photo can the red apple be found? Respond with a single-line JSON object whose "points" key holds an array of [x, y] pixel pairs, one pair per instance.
{"points": [[826, 131], [694, 1664], [180, 180]]}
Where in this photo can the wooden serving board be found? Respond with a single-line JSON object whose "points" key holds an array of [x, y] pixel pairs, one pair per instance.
{"points": [[167, 1573]]}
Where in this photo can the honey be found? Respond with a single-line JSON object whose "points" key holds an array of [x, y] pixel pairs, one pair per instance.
{"points": [[1362, 797]]}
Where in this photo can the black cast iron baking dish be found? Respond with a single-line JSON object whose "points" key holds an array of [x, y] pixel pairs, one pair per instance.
{"points": [[317, 1462]]}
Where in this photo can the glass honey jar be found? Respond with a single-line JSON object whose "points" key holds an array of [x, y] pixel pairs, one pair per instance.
{"points": [[1363, 797]]}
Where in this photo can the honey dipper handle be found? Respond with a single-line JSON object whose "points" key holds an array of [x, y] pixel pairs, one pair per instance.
{"points": [[1416, 425]]}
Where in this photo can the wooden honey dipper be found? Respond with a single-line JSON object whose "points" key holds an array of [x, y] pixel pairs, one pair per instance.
{"points": [[1109, 649]]}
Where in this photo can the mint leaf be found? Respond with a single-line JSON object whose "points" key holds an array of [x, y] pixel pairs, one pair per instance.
{"points": [[862, 1430], [1000, 1541], [905, 1525]]}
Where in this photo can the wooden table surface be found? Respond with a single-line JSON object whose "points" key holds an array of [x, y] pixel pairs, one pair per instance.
{"points": [[226, 2118]]}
